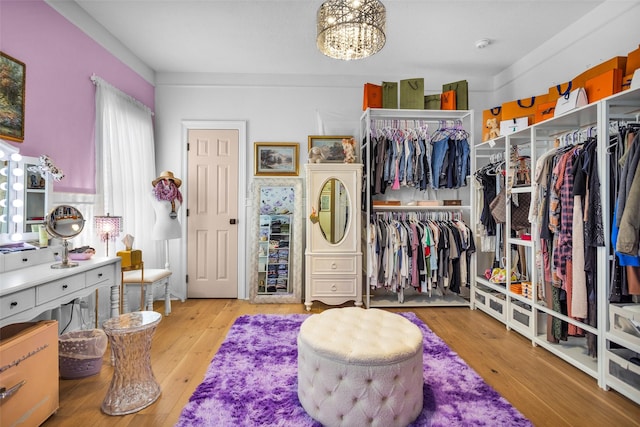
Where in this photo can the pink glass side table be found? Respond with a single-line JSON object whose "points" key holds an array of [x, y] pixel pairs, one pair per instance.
{"points": [[133, 386]]}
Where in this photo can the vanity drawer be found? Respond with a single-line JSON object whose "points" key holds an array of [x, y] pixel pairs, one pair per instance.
{"points": [[333, 287], [25, 259], [59, 288], [338, 265], [17, 302], [99, 275]]}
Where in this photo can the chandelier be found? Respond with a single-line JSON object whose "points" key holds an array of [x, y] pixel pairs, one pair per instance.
{"points": [[351, 29]]}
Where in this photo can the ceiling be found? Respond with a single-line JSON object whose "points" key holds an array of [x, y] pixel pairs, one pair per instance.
{"points": [[278, 36]]}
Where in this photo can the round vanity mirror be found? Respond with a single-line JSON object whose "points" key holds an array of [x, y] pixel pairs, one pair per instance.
{"points": [[64, 222], [333, 215]]}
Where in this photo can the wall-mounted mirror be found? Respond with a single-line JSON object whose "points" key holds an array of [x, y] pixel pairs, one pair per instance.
{"points": [[276, 252], [65, 222], [333, 213]]}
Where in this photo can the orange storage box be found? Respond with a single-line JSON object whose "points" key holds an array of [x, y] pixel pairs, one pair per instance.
{"points": [[633, 61], [29, 352], [617, 62], [525, 107], [604, 85]]}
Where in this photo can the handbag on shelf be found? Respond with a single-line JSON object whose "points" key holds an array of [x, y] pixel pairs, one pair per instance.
{"points": [[574, 99], [412, 94], [390, 95], [448, 100], [372, 96], [461, 88], [432, 102]]}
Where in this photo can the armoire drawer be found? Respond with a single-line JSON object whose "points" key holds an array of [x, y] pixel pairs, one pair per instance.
{"points": [[339, 286], [338, 265], [59, 288], [17, 302]]}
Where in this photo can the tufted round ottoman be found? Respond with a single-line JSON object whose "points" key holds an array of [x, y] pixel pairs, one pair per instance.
{"points": [[359, 367]]}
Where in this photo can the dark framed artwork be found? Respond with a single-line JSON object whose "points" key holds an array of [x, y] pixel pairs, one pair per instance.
{"points": [[276, 158], [330, 146], [12, 83]]}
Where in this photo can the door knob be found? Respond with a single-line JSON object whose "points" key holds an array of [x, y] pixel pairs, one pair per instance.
{"points": [[232, 221]]}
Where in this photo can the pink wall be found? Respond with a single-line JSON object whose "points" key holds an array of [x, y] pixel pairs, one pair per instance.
{"points": [[60, 97]]}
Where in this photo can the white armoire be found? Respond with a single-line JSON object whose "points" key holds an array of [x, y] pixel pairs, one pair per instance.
{"points": [[333, 253]]}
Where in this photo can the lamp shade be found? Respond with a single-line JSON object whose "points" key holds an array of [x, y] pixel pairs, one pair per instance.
{"points": [[351, 29], [108, 227]]}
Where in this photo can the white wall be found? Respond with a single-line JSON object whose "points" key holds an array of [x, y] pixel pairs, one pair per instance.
{"points": [[275, 108], [611, 29]]}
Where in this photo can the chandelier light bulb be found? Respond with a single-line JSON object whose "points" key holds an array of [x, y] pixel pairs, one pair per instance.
{"points": [[2, 154], [3, 219], [17, 219], [17, 186], [3, 203], [3, 186], [17, 203], [16, 237], [3, 171], [17, 172], [16, 157]]}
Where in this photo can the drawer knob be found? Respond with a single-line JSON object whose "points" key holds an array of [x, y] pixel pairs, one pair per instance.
{"points": [[334, 288], [333, 265], [99, 275], [64, 287], [13, 304], [25, 259]]}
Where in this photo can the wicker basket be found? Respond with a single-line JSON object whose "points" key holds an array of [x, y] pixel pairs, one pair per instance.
{"points": [[80, 353]]}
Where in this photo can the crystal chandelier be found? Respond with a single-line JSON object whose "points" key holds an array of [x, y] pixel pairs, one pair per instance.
{"points": [[351, 29]]}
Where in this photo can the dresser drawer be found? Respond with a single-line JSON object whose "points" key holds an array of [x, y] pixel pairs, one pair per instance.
{"points": [[338, 265], [99, 275], [59, 288], [17, 302], [333, 287], [29, 353]]}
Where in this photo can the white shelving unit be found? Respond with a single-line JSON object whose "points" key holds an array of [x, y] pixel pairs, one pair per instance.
{"points": [[274, 254], [36, 192], [408, 297], [529, 316]]}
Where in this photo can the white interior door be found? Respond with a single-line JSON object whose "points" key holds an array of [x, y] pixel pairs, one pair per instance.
{"points": [[212, 221]]}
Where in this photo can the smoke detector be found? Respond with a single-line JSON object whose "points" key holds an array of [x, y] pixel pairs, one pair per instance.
{"points": [[482, 43]]}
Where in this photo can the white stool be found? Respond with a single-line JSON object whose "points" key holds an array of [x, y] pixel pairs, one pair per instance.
{"points": [[152, 277], [359, 367]]}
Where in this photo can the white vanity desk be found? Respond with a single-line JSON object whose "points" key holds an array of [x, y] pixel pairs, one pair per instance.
{"points": [[29, 286]]}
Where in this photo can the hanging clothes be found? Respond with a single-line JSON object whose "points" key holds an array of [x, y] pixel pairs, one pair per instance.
{"points": [[406, 155], [407, 250]]}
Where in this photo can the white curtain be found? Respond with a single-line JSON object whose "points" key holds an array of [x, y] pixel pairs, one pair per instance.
{"points": [[125, 167]]}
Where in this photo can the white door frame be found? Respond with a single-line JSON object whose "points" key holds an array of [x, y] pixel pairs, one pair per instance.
{"points": [[241, 126]]}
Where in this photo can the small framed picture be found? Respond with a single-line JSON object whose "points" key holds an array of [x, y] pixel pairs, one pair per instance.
{"points": [[330, 146], [12, 88], [276, 158]]}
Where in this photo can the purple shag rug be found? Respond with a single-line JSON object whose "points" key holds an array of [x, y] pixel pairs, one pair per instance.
{"points": [[253, 381]]}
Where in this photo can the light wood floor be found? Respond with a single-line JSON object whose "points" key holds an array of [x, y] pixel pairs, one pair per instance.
{"points": [[544, 388]]}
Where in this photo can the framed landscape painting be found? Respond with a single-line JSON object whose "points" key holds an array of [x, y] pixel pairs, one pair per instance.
{"points": [[12, 82], [330, 146], [276, 158]]}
